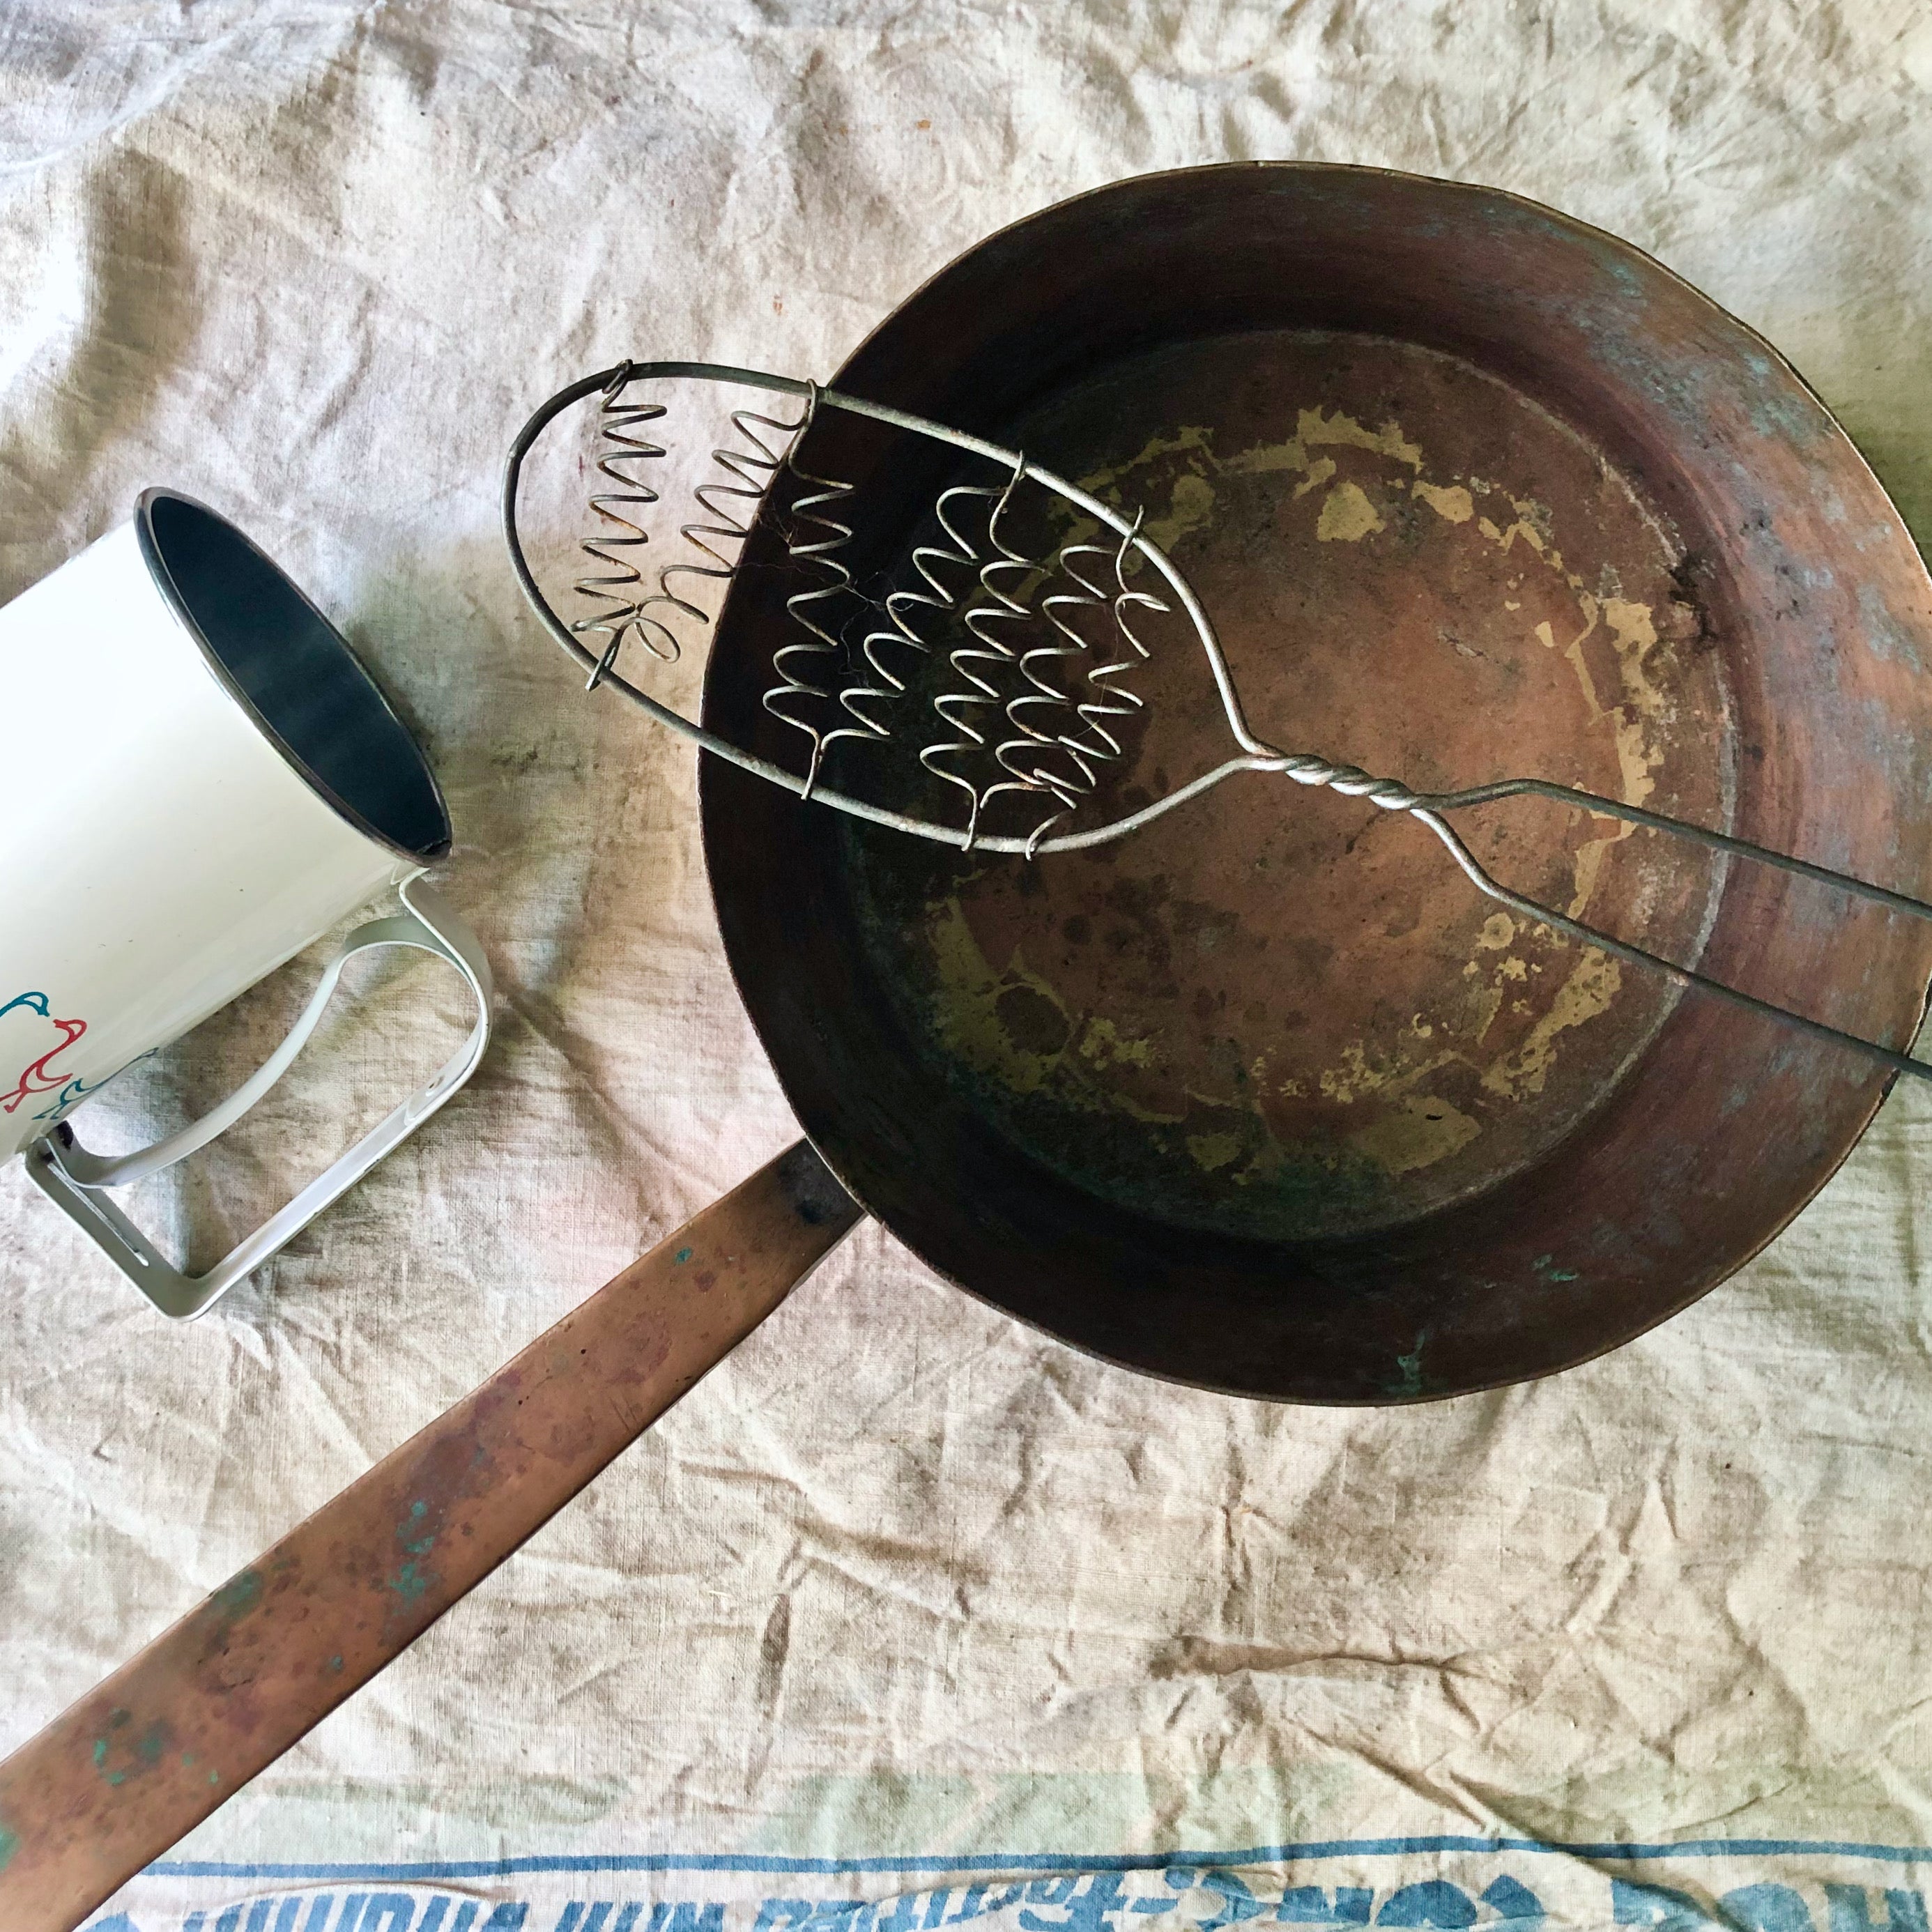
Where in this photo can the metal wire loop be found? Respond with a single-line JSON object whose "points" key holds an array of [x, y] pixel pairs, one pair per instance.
{"points": [[1031, 703]]}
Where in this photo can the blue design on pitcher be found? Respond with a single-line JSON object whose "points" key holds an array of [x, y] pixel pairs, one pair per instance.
{"points": [[75, 1091]]}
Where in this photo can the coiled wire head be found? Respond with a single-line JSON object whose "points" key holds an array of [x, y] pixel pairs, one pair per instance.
{"points": [[1000, 672]]}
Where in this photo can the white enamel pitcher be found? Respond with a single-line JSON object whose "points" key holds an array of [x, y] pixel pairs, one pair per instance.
{"points": [[198, 780]]}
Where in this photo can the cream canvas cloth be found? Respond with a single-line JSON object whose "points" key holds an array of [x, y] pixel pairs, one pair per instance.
{"points": [[908, 1616]]}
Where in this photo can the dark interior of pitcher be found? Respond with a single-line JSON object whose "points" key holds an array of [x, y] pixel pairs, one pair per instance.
{"points": [[294, 674]]}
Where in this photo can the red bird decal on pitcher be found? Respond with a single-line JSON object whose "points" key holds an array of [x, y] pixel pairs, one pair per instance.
{"points": [[35, 1078]]}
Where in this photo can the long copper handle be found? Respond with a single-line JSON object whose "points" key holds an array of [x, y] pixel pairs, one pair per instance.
{"points": [[124, 1773]]}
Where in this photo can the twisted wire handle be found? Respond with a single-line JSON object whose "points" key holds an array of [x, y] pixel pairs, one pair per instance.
{"points": [[1427, 808]]}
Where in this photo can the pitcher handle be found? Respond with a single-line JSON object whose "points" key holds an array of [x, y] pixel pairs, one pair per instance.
{"points": [[75, 1180]]}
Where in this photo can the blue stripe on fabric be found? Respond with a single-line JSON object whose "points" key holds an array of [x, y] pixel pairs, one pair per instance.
{"points": [[965, 1862]]}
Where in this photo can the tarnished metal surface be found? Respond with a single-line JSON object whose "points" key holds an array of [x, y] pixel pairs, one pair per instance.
{"points": [[1266, 1097], [125, 1772]]}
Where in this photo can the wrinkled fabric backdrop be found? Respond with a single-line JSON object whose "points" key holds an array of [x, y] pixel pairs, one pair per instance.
{"points": [[908, 1614]]}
